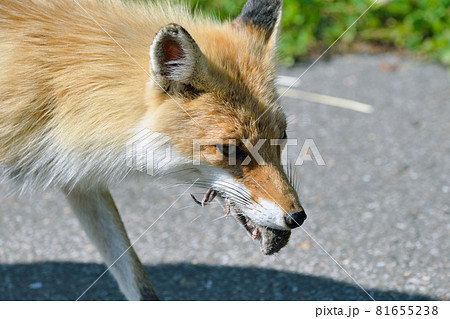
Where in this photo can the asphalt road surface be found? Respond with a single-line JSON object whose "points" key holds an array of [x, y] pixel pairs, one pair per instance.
{"points": [[378, 211]]}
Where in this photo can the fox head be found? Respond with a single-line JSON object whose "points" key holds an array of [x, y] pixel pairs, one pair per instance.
{"points": [[213, 94]]}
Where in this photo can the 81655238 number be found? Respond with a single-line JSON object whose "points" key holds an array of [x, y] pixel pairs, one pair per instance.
{"points": [[407, 310]]}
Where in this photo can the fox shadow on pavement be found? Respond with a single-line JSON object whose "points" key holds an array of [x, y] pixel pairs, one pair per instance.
{"points": [[67, 281]]}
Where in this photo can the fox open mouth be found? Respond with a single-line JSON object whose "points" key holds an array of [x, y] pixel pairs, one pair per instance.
{"points": [[271, 240]]}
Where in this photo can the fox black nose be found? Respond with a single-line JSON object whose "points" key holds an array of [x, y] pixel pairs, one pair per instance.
{"points": [[295, 220]]}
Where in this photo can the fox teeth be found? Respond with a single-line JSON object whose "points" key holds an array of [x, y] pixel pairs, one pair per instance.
{"points": [[227, 208], [256, 233]]}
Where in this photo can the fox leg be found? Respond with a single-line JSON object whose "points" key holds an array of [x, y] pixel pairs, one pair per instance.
{"points": [[100, 219]]}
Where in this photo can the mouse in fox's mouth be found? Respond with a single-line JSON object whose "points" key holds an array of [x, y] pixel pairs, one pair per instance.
{"points": [[271, 240]]}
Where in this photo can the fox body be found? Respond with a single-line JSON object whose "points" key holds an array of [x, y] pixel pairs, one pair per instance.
{"points": [[79, 80]]}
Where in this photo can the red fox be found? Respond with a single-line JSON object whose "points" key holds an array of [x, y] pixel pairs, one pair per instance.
{"points": [[79, 79]]}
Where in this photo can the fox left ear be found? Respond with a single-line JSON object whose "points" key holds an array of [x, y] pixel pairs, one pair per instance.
{"points": [[263, 16], [177, 63]]}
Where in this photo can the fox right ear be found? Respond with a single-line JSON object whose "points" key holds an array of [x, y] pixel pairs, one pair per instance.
{"points": [[262, 16], [177, 63]]}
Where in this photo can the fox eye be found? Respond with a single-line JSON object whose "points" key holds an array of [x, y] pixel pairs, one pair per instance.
{"points": [[240, 154], [232, 151], [283, 139]]}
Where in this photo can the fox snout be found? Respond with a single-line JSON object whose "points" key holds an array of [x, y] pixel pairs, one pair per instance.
{"points": [[275, 209], [263, 200]]}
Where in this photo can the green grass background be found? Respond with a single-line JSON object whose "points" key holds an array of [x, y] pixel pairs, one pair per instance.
{"points": [[310, 26]]}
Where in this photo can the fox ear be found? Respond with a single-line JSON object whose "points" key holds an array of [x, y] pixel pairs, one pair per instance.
{"points": [[263, 16], [177, 63]]}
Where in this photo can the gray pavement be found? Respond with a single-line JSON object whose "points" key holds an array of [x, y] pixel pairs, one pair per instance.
{"points": [[380, 208]]}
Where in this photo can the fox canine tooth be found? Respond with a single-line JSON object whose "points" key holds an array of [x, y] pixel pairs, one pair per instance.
{"points": [[256, 233]]}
